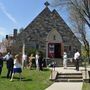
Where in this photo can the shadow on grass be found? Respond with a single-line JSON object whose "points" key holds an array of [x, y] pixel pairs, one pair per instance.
{"points": [[27, 80], [23, 79], [45, 69], [3, 76], [9, 77], [17, 78]]}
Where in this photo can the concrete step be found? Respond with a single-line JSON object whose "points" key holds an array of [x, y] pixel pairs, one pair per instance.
{"points": [[70, 76], [68, 80], [74, 73]]}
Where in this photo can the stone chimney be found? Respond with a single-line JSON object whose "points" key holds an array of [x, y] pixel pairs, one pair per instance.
{"points": [[6, 36], [15, 32]]}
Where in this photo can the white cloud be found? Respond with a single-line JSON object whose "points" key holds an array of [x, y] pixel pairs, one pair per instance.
{"points": [[2, 7]]}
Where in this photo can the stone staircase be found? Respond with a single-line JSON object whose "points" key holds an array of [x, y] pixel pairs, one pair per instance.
{"points": [[69, 77]]}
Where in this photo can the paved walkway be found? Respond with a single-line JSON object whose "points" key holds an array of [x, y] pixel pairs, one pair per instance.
{"points": [[67, 85]]}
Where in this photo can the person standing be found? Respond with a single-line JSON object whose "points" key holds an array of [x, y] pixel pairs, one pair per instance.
{"points": [[17, 67], [24, 57], [1, 63], [76, 58], [30, 60], [9, 63], [37, 60], [40, 61], [65, 60]]}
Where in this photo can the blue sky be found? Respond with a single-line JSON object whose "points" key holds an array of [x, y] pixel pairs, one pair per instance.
{"points": [[19, 13]]}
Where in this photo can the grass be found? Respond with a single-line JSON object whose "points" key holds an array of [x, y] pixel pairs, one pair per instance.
{"points": [[32, 80], [86, 86]]}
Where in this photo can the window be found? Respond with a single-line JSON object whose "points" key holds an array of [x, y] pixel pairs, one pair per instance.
{"points": [[37, 46], [67, 48], [54, 37]]}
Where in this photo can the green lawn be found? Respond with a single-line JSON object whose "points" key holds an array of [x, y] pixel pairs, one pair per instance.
{"points": [[32, 80], [86, 86]]}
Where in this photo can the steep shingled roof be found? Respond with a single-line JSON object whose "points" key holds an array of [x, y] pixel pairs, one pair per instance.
{"points": [[44, 22]]}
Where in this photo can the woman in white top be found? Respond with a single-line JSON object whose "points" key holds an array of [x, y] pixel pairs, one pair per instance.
{"points": [[37, 61], [17, 66], [65, 60]]}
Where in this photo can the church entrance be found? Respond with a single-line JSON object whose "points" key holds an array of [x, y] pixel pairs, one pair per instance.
{"points": [[57, 50], [54, 45], [54, 50]]}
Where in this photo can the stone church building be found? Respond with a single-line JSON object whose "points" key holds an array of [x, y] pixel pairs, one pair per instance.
{"points": [[48, 32]]}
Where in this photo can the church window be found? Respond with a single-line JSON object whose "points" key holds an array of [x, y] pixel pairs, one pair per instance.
{"points": [[37, 46], [54, 37], [67, 48]]}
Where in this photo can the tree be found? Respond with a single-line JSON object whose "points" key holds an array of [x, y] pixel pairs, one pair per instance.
{"points": [[81, 6], [79, 11], [79, 27]]}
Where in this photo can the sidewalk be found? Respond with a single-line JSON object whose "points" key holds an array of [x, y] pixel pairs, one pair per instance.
{"points": [[67, 85]]}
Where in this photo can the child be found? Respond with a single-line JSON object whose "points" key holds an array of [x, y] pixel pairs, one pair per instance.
{"points": [[17, 66]]}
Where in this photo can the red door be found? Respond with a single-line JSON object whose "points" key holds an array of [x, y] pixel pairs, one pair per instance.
{"points": [[54, 50]]}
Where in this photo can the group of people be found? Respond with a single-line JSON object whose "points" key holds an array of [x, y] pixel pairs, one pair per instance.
{"points": [[76, 59], [38, 61], [13, 64]]}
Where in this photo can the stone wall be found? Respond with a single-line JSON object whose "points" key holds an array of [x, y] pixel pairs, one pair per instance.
{"points": [[34, 35]]}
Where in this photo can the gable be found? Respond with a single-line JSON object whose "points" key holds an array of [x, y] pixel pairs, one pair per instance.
{"points": [[63, 28], [54, 36], [43, 24]]}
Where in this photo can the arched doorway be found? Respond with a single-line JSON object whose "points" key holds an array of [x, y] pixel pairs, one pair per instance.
{"points": [[54, 45]]}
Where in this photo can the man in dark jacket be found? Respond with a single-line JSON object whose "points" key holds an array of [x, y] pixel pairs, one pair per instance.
{"points": [[10, 67], [40, 61], [9, 63]]}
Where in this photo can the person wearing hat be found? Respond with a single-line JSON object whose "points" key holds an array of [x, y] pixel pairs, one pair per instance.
{"points": [[65, 60]]}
